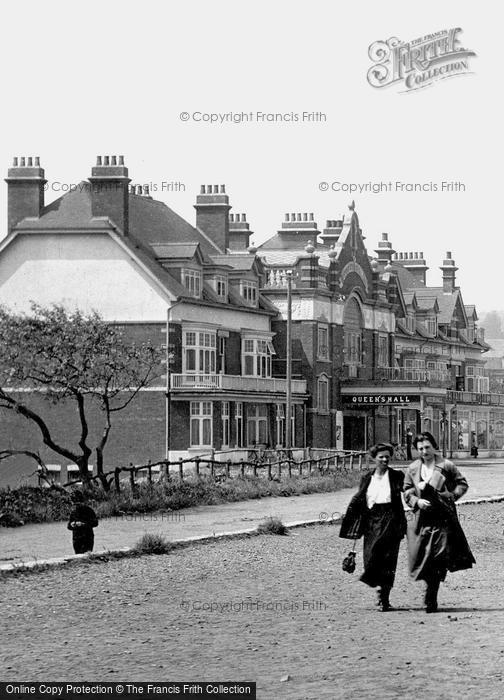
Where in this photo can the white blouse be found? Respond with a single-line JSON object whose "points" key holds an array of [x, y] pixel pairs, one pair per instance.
{"points": [[378, 490]]}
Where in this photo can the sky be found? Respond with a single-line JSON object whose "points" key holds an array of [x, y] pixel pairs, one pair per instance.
{"points": [[114, 78]]}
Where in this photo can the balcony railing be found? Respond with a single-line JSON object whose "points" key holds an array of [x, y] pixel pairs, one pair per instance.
{"points": [[229, 381], [404, 375], [473, 397]]}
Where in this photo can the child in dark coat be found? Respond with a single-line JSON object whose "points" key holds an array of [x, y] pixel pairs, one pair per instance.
{"points": [[82, 521]]}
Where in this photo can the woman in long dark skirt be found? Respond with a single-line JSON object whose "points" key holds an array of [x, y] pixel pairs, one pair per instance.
{"points": [[436, 541], [376, 512]]}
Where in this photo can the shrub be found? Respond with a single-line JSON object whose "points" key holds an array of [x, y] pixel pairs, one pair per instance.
{"points": [[153, 544], [272, 526]]}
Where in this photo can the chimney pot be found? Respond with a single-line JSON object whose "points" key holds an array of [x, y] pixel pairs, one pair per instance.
{"points": [[146, 190], [305, 217], [411, 256], [37, 161], [22, 163], [140, 190], [114, 160], [121, 160], [328, 223], [98, 160], [231, 217], [15, 162], [299, 217], [384, 236], [244, 218], [448, 255], [293, 217], [286, 217], [216, 189], [223, 189], [105, 160], [311, 217], [30, 162], [421, 255]]}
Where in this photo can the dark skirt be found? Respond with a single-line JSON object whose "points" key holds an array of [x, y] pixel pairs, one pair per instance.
{"points": [[83, 539], [381, 546], [436, 545]]}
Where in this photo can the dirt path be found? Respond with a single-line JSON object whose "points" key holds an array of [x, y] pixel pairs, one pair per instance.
{"points": [[259, 609]]}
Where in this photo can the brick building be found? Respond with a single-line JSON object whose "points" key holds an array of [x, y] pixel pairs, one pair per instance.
{"points": [[108, 246], [384, 354], [375, 351]]}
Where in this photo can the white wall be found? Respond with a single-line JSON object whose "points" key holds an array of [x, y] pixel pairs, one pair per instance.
{"points": [[85, 271]]}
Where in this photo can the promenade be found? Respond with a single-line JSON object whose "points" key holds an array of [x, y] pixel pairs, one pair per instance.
{"points": [[52, 540]]}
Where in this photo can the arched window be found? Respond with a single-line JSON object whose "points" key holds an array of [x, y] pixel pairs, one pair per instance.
{"points": [[352, 325], [323, 393]]}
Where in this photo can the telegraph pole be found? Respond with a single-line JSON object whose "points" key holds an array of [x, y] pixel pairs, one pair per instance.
{"points": [[288, 411]]}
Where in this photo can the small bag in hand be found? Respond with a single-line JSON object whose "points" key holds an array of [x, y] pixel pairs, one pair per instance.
{"points": [[348, 564]]}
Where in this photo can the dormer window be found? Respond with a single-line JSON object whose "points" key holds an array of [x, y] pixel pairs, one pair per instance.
{"points": [[220, 285], [191, 279], [432, 325], [248, 290]]}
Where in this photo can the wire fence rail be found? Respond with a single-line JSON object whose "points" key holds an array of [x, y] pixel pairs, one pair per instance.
{"points": [[263, 465]]}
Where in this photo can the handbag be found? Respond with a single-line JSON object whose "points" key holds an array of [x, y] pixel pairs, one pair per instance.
{"points": [[349, 563]]}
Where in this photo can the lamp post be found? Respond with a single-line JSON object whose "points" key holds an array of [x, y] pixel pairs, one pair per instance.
{"points": [[168, 384], [288, 424]]}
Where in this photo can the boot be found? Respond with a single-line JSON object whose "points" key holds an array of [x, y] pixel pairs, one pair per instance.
{"points": [[384, 599], [431, 593]]}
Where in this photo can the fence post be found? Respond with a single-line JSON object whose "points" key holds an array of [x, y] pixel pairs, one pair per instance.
{"points": [[212, 469], [290, 467], [301, 468], [132, 477], [242, 467], [116, 479], [181, 469], [228, 468], [269, 470], [351, 460], [197, 463], [360, 462]]}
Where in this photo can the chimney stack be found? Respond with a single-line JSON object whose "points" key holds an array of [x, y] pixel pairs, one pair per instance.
{"points": [[448, 269], [415, 263], [212, 210], [110, 190], [239, 232], [25, 186], [384, 250]]}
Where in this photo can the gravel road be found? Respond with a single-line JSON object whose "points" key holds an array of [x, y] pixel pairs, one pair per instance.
{"points": [[264, 608]]}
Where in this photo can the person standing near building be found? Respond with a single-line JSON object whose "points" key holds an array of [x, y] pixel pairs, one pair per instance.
{"points": [[436, 541], [376, 511], [81, 522], [409, 441]]}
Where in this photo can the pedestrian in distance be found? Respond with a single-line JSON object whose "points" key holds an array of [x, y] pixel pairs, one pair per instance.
{"points": [[82, 521], [436, 541], [377, 513], [409, 441]]}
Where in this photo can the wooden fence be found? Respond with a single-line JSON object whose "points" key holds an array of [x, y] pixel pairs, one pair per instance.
{"points": [[203, 467]]}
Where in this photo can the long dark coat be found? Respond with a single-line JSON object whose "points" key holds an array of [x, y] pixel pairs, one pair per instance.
{"points": [[82, 535], [354, 521], [436, 541], [383, 527]]}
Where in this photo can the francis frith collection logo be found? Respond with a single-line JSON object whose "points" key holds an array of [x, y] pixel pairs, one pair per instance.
{"points": [[418, 63]]}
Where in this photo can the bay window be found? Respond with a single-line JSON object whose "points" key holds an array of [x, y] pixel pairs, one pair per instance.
{"points": [[199, 350], [256, 357]]}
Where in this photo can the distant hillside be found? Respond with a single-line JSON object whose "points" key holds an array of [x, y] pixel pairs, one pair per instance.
{"points": [[493, 323]]}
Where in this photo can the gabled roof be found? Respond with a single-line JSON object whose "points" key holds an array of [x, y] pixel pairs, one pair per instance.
{"points": [[155, 232]]}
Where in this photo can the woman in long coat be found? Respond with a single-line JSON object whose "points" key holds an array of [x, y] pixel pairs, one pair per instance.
{"points": [[436, 541], [376, 511]]}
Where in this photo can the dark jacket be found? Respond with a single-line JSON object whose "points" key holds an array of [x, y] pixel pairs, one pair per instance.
{"points": [[354, 520]]}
